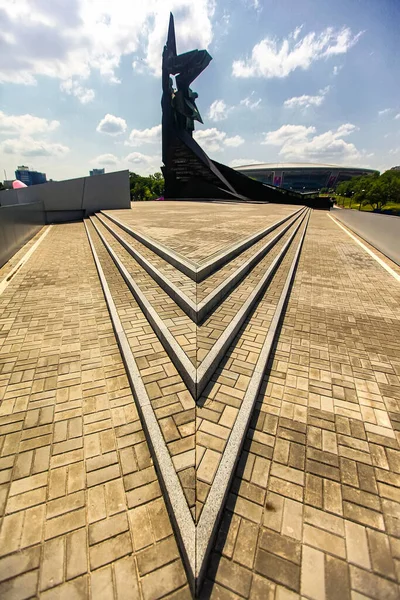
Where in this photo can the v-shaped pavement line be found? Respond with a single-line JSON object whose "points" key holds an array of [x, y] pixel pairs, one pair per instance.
{"points": [[196, 379], [199, 272], [178, 508], [196, 542], [197, 312]]}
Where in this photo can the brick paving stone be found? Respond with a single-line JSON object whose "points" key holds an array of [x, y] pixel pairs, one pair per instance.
{"points": [[68, 445], [197, 230], [313, 507], [324, 400]]}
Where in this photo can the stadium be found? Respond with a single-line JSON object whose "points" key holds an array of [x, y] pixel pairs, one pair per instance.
{"points": [[302, 177]]}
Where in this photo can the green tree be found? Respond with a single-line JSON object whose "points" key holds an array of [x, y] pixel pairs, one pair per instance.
{"points": [[383, 190], [146, 188]]}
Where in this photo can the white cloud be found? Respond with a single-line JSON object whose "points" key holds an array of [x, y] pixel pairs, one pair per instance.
{"points": [[218, 110], [73, 88], [306, 101], [138, 158], [111, 125], [397, 116], [240, 162], [255, 4], [271, 58], [249, 102], [25, 124], [143, 163], [29, 147], [210, 139], [336, 70], [234, 141], [385, 111], [298, 142], [70, 39], [214, 140], [138, 137], [105, 160]]}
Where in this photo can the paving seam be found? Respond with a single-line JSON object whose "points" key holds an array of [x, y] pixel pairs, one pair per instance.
{"points": [[211, 513], [170, 288], [183, 364], [173, 493], [207, 367], [217, 295], [7, 279], [189, 268], [374, 256]]}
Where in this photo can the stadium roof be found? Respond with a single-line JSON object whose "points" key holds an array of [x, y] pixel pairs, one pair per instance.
{"points": [[297, 166]]}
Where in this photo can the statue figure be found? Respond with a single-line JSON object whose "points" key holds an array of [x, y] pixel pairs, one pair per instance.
{"points": [[179, 105]]}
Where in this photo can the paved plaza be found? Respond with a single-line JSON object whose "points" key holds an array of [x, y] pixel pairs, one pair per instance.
{"points": [[200, 394]]}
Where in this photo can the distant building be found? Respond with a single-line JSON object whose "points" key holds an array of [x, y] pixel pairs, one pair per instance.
{"points": [[302, 177], [29, 177], [97, 172]]}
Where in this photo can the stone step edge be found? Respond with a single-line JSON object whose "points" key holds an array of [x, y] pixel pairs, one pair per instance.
{"points": [[192, 270], [178, 509], [207, 367], [212, 511], [181, 299], [216, 262], [197, 312], [196, 380], [180, 359], [215, 297]]}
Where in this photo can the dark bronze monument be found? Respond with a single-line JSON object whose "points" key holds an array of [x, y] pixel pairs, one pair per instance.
{"points": [[188, 171]]}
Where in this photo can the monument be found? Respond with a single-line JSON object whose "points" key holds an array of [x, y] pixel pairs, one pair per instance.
{"points": [[188, 171]]}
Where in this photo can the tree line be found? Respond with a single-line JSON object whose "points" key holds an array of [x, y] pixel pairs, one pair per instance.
{"points": [[374, 190], [146, 188]]}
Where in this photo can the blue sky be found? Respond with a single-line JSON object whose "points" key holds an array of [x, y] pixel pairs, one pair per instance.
{"points": [[290, 81]]}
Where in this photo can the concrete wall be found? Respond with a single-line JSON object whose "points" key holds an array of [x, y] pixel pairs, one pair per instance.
{"points": [[8, 197], [18, 224], [74, 198]]}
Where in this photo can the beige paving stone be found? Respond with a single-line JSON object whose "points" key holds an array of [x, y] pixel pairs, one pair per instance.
{"points": [[313, 573], [163, 581], [69, 337], [318, 478]]}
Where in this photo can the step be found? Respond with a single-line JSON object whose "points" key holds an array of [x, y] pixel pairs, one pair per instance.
{"points": [[233, 375], [136, 276], [222, 283], [198, 272], [195, 376], [157, 386], [176, 284], [210, 516], [235, 313], [258, 329]]}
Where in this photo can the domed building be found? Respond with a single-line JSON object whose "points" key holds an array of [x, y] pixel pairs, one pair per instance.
{"points": [[302, 177]]}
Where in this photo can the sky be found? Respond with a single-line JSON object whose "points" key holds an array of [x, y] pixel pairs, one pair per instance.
{"points": [[313, 81]]}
